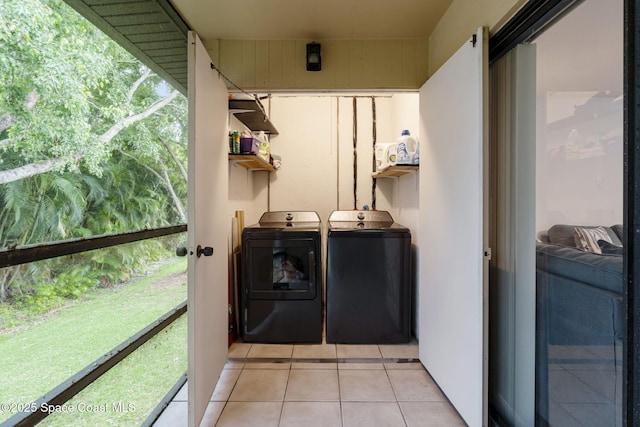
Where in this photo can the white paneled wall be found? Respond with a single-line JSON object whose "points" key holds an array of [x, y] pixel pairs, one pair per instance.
{"points": [[261, 65], [307, 145]]}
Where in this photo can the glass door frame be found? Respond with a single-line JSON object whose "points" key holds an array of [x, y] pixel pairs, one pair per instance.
{"points": [[533, 18]]}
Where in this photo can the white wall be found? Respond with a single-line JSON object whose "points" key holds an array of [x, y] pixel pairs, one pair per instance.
{"points": [[404, 115], [307, 178]]}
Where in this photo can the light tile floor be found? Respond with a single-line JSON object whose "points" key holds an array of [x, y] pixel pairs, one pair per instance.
{"points": [[321, 385], [584, 385]]}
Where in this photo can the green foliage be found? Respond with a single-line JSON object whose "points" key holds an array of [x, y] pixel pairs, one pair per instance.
{"points": [[69, 284], [64, 88], [58, 58], [63, 84]]}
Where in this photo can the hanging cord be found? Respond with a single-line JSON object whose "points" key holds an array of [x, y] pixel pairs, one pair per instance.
{"points": [[374, 132], [254, 96], [337, 152], [355, 153]]}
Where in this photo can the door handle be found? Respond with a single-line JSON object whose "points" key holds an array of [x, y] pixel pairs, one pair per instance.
{"points": [[181, 251], [206, 251]]}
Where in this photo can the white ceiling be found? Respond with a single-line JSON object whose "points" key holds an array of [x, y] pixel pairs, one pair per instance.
{"points": [[311, 19]]}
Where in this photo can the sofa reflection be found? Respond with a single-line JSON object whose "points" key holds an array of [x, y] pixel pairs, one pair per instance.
{"points": [[580, 326]]}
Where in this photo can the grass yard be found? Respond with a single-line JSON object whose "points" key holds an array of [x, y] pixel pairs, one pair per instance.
{"points": [[37, 357], [127, 393]]}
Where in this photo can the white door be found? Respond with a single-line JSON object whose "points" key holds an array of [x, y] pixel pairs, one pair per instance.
{"points": [[452, 263], [207, 227]]}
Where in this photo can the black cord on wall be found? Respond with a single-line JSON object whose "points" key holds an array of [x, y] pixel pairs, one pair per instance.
{"points": [[373, 151], [355, 153]]}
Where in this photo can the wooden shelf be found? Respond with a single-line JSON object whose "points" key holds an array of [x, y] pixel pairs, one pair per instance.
{"points": [[251, 162], [250, 113], [394, 171]]}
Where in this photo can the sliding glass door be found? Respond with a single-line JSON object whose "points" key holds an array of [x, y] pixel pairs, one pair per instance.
{"points": [[579, 214], [557, 312]]}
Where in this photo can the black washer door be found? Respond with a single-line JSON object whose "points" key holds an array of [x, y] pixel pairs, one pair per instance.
{"points": [[280, 268]]}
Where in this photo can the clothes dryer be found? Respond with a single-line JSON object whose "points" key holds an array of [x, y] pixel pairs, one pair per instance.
{"points": [[281, 284]]}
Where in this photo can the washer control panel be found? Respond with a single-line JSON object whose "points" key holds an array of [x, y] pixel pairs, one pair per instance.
{"points": [[289, 217], [361, 216]]}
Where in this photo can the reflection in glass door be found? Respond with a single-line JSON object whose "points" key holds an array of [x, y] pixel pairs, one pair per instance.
{"points": [[579, 214]]}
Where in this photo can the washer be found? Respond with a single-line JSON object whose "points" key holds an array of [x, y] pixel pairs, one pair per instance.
{"points": [[368, 279], [281, 283]]}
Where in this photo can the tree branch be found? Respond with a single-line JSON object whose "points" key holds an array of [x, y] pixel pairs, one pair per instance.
{"points": [[137, 84], [6, 121], [7, 142], [165, 180], [183, 171], [32, 169], [174, 196], [44, 166], [29, 102], [116, 128]]}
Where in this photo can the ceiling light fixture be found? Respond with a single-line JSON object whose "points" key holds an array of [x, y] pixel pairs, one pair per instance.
{"points": [[314, 61]]}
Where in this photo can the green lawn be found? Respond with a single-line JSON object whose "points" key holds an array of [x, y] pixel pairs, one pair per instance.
{"points": [[127, 393], [39, 356]]}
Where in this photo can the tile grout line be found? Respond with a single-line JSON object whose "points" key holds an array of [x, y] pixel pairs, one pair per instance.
{"points": [[284, 396], [324, 360], [340, 397], [395, 395], [286, 387]]}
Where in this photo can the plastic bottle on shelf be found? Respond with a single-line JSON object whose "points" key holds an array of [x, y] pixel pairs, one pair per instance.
{"points": [[416, 156], [382, 154], [407, 148], [392, 154], [236, 142]]}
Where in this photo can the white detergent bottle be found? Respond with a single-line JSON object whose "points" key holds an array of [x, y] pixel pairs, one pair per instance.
{"points": [[416, 155], [381, 156], [407, 147], [392, 154]]}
